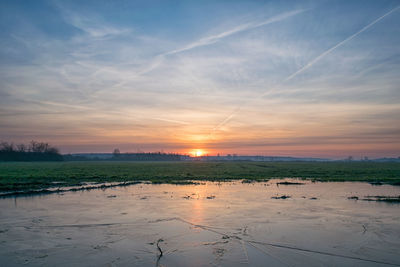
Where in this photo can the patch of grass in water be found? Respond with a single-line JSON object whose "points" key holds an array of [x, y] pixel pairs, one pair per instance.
{"points": [[289, 183], [177, 182], [281, 197], [353, 198], [251, 181], [388, 199]]}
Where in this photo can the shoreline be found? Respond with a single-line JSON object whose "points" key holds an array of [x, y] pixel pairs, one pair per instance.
{"points": [[41, 176]]}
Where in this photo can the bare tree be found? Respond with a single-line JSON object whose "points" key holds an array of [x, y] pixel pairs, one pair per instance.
{"points": [[21, 148], [39, 147], [116, 152], [35, 151], [6, 147]]}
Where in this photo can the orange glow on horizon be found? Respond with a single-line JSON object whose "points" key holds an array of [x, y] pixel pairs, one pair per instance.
{"points": [[198, 152]]}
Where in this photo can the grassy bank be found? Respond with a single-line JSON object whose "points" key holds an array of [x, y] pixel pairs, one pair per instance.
{"points": [[37, 175]]}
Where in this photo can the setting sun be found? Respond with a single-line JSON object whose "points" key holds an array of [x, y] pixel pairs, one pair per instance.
{"points": [[198, 152]]}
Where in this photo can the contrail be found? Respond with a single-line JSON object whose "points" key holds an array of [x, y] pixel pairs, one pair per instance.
{"points": [[227, 118], [209, 40], [173, 121], [307, 66], [315, 60], [241, 28]]}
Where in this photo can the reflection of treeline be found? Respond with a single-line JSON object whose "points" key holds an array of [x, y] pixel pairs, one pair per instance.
{"points": [[34, 151], [158, 156]]}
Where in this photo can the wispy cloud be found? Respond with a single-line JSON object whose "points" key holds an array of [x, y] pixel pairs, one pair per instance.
{"points": [[93, 29], [240, 28], [97, 75], [325, 53], [307, 66], [173, 121], [90, 24], [209, 40]]}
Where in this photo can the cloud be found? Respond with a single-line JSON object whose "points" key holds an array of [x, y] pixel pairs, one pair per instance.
{"points": [[240, 28], [173, 121], [93, 29], [89, 23], [307, 66], [123, 82], [322, 55]]}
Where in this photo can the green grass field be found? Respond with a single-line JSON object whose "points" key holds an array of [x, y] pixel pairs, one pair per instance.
{"points": [[39, 175]]}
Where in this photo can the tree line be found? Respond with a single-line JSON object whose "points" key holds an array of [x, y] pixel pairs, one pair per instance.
{"points": [[34, 151], [142, 156]]}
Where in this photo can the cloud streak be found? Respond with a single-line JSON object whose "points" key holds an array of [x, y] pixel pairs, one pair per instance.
{"points": [[241, 28], [321, 56], [307, 66], [101, 75], [209, 40]]}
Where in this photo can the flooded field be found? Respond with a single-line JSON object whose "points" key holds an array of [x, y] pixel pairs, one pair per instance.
{"points": [[274, 223]]}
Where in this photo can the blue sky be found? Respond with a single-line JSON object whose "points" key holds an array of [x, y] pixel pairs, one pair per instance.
{"points": [[302, 78]]}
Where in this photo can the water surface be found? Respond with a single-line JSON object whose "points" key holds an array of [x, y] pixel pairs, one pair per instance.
{"points": [[211, 224]]}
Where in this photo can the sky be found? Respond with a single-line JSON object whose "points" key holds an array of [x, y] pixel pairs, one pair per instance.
{"points": [[283, 78]]}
